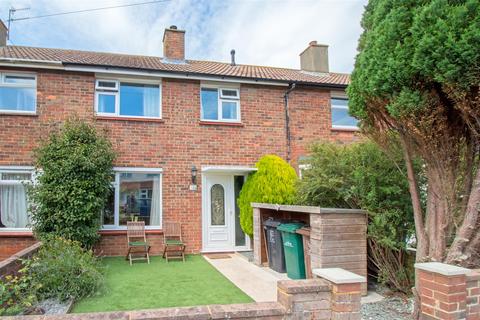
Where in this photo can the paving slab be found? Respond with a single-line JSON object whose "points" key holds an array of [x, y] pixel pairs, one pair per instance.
{"points": [[259, 283]]}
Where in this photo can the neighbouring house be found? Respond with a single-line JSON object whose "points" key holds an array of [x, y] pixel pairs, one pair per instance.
{"points": [[187, 132]]}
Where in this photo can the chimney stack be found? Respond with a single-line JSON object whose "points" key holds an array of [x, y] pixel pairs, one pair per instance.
{"points": [[3, 34], [315, 58], [174, 43]]}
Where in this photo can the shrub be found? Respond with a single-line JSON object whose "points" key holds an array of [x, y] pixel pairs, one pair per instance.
{"points": [[17, 293], [273, 182], [62, 269], [361, 175], [74, 173]]}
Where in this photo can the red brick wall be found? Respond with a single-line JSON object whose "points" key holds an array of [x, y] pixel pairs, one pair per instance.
{"points": [[179, 140], [448, 297], [9, 245]]}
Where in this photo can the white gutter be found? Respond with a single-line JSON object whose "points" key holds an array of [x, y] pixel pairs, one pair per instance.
{"points": [[31, 63], [58, 65], [166, 74]]}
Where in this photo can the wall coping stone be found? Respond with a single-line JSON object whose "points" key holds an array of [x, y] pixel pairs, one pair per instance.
{"points": [[303, 286], [442, 268], [305, 209], [338, 275], [245, 310], [474, 275]]}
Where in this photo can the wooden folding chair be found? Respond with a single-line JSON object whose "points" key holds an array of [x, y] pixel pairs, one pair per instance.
{"points": [[174, 248], [138, 248]]}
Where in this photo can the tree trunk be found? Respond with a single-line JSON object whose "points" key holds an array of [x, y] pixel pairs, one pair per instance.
{"points": [[421, 235], [468, 231]]}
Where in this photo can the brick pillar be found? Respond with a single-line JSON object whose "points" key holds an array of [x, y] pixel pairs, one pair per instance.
{"points": [[442, 290], [305, 299], [346, 292], [257, 237], [473, 295]]}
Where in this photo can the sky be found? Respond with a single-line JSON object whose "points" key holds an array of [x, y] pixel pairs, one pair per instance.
{"points": [[262, 32]]}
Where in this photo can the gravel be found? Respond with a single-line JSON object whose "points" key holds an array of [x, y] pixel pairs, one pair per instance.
{"points": [[52, 306], [393, 308]]}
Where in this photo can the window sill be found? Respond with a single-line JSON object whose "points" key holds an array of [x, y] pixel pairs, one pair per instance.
{"points": [[221, 123], [347, 129], [114, 232], [14, 234], [23, 114], [159, 120]]}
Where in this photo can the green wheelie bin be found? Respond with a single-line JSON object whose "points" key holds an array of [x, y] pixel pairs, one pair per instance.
{"points": [[293, 248]]}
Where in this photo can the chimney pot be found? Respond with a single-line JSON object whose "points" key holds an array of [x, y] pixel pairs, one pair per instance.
{"points": [[3, 34], [174, 43], [315, 58]]}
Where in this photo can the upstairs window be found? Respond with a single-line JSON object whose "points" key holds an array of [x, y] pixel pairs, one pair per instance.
{"points": [[127, 99], [13, 198], [18, 93], [340, 117], [220, 104]]}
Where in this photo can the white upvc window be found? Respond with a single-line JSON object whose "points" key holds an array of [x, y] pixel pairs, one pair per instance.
{"points": [[13, 198], [18, 93], [128, 98], [341, 119], [220, 104], [136, 195]]}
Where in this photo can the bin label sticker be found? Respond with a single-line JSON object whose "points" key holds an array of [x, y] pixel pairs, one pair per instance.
{"points": [[288, 244]]}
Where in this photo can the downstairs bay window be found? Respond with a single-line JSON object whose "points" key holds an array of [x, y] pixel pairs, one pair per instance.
{"points": [[13, 198], [135, 196]]}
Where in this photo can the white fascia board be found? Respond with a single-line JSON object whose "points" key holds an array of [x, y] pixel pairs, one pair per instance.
{"points": [[163, 74], [57, 65], [30, 63]]}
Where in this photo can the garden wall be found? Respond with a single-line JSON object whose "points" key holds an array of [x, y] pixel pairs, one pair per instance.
{"points": [[318, 299], [447, 292], [13, 264], [12, 243]]}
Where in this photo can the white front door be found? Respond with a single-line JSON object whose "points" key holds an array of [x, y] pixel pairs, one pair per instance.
{"points": [[218, 216]]}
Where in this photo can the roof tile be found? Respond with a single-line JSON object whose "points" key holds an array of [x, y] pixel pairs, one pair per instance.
{"points": [[159, 64]]}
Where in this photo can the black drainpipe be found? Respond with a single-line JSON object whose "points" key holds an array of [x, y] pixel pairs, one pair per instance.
{"points": [[287, 121]]}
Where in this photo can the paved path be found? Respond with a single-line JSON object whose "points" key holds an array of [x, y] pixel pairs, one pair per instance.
{"points": [[259, 283]]}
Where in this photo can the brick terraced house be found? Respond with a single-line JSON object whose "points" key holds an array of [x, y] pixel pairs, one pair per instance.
{"points": [[187, 132]]}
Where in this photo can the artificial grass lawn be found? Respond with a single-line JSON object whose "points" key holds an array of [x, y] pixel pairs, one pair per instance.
{"points": [[161, 284]]}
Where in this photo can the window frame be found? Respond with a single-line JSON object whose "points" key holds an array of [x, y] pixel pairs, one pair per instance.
{"points": [[3, 74], [116, 208], [220, 99], [17, 169], [341, 127], [116, 92]]}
